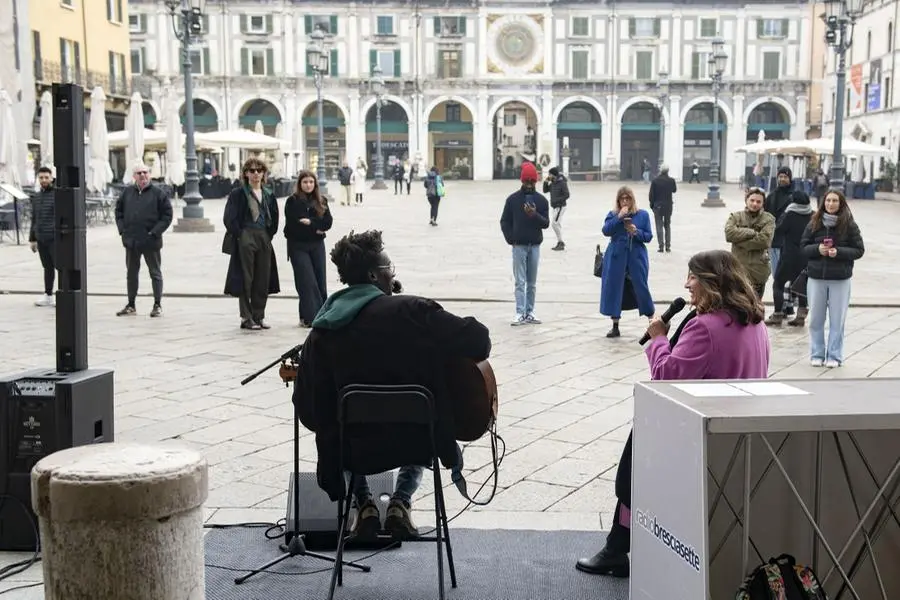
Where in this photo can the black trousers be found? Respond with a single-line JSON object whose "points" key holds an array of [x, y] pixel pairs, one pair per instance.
{"points": [[663, 220], [153, 260], [779, 293], [435, 202], [47, 253], [619, 538], [308, 262], [398, 186], [255, 250]]}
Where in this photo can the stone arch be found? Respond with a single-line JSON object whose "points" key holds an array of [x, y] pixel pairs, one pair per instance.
{"points": [[788, 109], [506, 100], [220, 114], [365, 108], [157, 109], [604, 118], [637, 100], [242, 104], [303, 106], [707, 100], [442, 99]]}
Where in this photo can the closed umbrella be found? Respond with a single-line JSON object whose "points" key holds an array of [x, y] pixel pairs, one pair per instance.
{"points": [[134, 125], [175, 166], [47, 130], [258, 128], [10, 150], [99, 172]]}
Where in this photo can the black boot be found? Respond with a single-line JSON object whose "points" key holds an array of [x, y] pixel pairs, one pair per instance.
{"points": [[605, 562], [614, 332]]}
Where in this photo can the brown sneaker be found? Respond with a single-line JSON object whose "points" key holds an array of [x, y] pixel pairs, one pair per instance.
{"points": [[367, 522], [399, 521], [128, 311]]}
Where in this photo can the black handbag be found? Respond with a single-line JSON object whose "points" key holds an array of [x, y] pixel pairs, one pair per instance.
{"points": [[798, 288], [598, 262]]}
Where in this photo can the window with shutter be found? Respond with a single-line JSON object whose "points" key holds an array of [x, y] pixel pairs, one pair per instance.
{"points": [[385, 26], [643, 65], [709, 28], [580, 64], [437, 26], [462, 26], [373, 60], [449, 26], [333, 25], [772, 28], [644, 27], [244, 24], [308, 23], [76, 52], [109, 10], [207, 66], [268, 23], [270, 62], [700, 65], [119, 11], [581, 26], [334, 63], [257, 24], [245, 61], [771, 65], [397, 65]]}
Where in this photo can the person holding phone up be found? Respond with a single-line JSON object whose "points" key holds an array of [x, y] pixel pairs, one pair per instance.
{"points": [[526, 214], [831, 243]]}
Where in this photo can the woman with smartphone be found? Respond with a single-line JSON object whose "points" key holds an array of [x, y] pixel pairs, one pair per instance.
{"points": [[831, 243]]}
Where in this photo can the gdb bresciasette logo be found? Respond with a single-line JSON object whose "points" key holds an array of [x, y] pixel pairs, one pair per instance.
{"points": [[651, 525]]}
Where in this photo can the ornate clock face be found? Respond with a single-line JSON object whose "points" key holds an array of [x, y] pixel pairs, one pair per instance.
{"points": [[515, 44]]}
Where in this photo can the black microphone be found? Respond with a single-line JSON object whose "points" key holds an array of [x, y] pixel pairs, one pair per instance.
{"points": [[396, 287], [676, 307]]}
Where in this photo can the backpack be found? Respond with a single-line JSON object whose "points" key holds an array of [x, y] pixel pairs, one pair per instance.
{"points": [[781, 579], [439, 186]]}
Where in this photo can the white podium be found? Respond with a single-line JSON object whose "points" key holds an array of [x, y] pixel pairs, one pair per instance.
{"points": [[729, 474]]}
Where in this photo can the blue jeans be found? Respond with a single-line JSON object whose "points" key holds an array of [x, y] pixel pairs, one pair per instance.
{"points": [[409, 479], [525, 268], [831, 297]]}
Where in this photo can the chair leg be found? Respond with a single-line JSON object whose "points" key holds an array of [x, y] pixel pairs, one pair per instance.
{"points": [[337, 573], [442, 511], [436, 469]]}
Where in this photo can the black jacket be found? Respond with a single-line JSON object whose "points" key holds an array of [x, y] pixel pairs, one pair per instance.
{"points": [[296, 208], [790, 227], [849, 249], [237, 212], [142, 216], [518, 228], [775, 204], [662, 192], [558, 189], [344, 175], [43, 224], [392, 340]]}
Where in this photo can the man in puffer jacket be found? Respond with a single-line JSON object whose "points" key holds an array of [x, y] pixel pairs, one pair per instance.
{"points": [[557, 186], [42, 233]]}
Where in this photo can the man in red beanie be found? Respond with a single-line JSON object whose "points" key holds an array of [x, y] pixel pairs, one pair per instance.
{"points": [[525, 216]]}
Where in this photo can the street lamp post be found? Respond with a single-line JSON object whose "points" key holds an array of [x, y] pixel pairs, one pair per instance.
{"points": [[717, 61], [839, 20], [187, 23], [317, 57], [663, 104], [377, 84]]}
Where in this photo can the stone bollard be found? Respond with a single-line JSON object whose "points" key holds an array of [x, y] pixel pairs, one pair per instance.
{"points": [[121, 522]]}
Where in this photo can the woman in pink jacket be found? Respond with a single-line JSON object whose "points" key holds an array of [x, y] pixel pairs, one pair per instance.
{"points": [[723, 337]]}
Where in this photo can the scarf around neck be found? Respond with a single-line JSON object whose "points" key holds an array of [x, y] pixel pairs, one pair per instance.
{"points": [[800, 209], [829, 220]]}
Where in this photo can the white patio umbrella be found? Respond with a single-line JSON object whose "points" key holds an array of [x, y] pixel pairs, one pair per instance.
{"points": [[175, 166], [134, 125], [46, 130], [11, 152], [258, 127], [99, 172], [761, 136]]}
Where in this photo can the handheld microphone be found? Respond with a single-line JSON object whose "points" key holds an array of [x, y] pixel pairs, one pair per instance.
{"points": [[676, 307], [396, 287]]}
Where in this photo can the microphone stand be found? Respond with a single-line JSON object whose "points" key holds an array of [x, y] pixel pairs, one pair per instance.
{"points": [[296, 546]]}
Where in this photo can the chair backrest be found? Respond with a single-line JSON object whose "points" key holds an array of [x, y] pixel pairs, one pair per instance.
{"points": [[409, 404]]}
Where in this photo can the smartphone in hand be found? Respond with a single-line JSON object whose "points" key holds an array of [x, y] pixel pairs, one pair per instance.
{"points": [[828, 242]]}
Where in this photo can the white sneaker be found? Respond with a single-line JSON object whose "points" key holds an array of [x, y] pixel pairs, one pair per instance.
{"points": [[532, 320], [832, 364], [519, 320], [45, 301], [816, 362]]}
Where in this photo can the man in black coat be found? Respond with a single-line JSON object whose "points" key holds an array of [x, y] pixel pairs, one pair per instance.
{"points": [[662, 199], [775, 204], [143, 213], [557, 186], [364, 334], [42, 233]]}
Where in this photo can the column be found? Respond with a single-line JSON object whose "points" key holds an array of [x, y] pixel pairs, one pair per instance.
{"points": [[675, 139], [291, 122], [612, 136], [737, 137], [547, 141], [675, 50], [737, 67], [355, 130], [481, 67], [798, 127], [482, 138], [290, 55], [352, 49], [424, 148]]}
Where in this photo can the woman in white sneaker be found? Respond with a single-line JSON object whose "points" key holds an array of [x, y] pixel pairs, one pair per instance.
{"points": [[831, 243]]}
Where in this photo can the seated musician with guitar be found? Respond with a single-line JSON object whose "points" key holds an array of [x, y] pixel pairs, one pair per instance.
{"points": [[364, 334]]}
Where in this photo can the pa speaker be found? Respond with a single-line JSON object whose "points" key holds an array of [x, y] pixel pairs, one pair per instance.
{"points": [[68, 134], [71, 333]]}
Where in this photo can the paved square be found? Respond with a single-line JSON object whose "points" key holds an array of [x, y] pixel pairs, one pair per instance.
{"points": [[565, 390]]}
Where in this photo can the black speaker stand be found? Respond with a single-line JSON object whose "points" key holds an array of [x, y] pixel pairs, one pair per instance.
{"points": [[296, 546]]}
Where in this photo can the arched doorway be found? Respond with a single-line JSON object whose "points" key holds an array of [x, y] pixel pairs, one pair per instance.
{"points": [[394, 136], [515, 139], [149, 115], [698, 137], [640, 139], [771, 119], [581, 124], [334, 130], [450, 139], [205, 118], [260, 111]]}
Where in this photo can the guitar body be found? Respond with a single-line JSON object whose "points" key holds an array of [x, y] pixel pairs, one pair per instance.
{"points": [[472, 389]]}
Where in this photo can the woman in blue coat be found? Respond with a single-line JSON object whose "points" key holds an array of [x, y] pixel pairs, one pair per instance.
{"points": [[626, 267]]}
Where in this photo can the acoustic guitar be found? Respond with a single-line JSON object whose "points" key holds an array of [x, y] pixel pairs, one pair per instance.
{"points": [[472, 389]]}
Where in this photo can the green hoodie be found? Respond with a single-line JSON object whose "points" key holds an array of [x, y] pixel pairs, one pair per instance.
{"points": [[342, 307]]}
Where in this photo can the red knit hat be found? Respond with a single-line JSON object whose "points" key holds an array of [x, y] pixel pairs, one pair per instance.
{"points": [[529, 173]]}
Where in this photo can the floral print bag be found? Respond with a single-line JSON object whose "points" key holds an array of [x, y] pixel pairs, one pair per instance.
{"points": [[781, 579]]}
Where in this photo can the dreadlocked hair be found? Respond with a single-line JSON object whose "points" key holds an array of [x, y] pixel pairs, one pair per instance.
{"points": [[356, 255]]}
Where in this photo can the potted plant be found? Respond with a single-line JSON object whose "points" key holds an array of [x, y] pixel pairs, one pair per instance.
{"points": [[886, 182]]}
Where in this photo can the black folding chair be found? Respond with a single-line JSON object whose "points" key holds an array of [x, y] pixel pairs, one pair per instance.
{"points": [[385, 408]]}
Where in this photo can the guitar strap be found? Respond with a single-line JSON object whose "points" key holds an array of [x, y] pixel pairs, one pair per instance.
{"points": [[459, 480]]}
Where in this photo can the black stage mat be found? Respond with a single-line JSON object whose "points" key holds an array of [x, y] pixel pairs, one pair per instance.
{"points": [[490, 565]]}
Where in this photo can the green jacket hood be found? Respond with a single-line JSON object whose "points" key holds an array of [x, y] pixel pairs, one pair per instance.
{"points": [[342, 307]]}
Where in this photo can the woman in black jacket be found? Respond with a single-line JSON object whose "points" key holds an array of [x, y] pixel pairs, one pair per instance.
{"points": [[789, 228], [306, 219], [831, 243]]}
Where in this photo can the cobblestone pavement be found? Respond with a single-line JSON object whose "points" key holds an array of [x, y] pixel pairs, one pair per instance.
{"points": [[466, 257], [565, 389]]}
